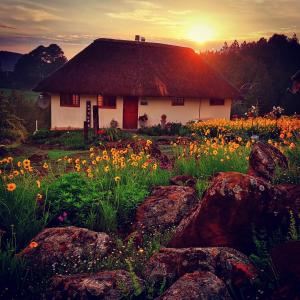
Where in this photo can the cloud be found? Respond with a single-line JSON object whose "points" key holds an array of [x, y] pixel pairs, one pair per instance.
{"points": [[179, 12], [24, 13], [144, 4], [6, 26]]}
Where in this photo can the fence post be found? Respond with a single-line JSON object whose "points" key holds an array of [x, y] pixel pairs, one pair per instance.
{"points": [[96, 120], [86, 132]]}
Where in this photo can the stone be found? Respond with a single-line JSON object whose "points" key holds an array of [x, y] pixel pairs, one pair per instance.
{"points": [[165, 207], [230, 265], [195, 286], [183, 180], [231, 206], [67, 245], [263, 160], [108, 285]]}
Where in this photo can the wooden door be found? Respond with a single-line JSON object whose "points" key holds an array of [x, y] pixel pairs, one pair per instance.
{"points": [[130, 112]]}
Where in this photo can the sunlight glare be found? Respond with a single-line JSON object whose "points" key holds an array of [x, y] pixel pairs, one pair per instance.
{"points": [[200, 33]]}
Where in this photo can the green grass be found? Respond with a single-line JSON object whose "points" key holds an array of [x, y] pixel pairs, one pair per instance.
{"points": [[55, 154]]}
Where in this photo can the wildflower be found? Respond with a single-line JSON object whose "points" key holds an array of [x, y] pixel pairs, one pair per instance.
{"points": [[38, 183], [289, 134], [19, 164], [33, 245], [45, 166], [154, 167], [292, 145], [239, 139], [117, 179], [215, 152], [222, 159], [94, 162], [16, 173], [281, 135], [141, 251], [106, 169], [84, 162], [11, 176], [90, 175], [11, 187], [26, 162], [9, 159], [39, 196], [91, 149]]}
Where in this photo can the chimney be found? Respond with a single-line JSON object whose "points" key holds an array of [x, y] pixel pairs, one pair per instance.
{"points": [[143, 39], [137, 38]]}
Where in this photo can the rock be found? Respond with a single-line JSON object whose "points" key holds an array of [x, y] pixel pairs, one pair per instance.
{"points": [[68, 245], [183, 180], [108, 285], [230, 208], [291, 194], [195, 286], [230, 265], [263, 160], [164, 208]]}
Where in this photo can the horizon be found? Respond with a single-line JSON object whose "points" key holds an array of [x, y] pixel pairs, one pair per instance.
{"points": [[26, 24]]}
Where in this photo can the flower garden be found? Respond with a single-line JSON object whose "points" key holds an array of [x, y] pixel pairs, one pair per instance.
{"points": [[101, 188]]}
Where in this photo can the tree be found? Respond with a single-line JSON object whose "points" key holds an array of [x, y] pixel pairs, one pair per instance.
{"points": [[37, 64]]}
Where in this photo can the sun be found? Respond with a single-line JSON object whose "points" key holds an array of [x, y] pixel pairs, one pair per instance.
{"points": [[200, 33]]}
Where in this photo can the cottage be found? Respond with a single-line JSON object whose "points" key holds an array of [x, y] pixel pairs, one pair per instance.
{"points": [[127, 79]]}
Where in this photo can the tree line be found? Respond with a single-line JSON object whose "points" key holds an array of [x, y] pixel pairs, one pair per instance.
{"points": [[261, 70], [33, 67]]}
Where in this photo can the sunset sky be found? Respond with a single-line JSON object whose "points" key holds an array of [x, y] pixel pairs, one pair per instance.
{"points": [[201, 24]]}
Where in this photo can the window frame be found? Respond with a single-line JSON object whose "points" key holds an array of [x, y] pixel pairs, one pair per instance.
{"points": [[216, 102], [178, 101], [103, 106], [71, 101]]}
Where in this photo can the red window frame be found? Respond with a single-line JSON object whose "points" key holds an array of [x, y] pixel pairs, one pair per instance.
{"points": [[69, 100], [107, 101]]}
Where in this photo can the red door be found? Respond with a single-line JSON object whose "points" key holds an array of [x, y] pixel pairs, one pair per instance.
{"points": [[130, 112]]}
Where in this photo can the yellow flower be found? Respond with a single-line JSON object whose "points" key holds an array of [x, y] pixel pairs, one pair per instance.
{"points": [[117, 178], [16, 173], [11, 187], [154, 167], [26, 162], [215, 152], [91, 149], [38, 183], [9, 159], [106, 169], [94, 162], [84, 162], [45, 166], [39, 197], [77, 160], [19, 164]]}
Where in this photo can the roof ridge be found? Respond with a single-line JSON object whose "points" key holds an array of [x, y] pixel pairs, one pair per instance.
{"points": [[151, 44]]}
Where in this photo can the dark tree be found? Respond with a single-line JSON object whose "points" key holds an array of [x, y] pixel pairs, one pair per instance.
{"points": [[36, 65]]}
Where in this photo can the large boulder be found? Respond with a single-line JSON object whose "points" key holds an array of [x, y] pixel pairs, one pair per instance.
{"points": [[165, 207], [108, 285], [263, 160], [230, 208], [195, 286], [65, 245], [169, 264]]}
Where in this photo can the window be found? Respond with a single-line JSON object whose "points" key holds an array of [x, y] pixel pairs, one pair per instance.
{"points": [[216, 101], [107, 101], [72, 100], [144, 102], [178, 101]]}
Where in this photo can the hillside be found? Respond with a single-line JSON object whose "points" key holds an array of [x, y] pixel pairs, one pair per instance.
{"points": [[8, 60]]}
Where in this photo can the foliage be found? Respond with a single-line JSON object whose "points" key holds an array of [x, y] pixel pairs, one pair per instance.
{"points": [[11, 127], [38, 64], [262, 71], [171, 128]]}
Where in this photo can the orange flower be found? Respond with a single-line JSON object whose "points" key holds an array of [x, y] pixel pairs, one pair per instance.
{"points": [[45, 166], [33, 245], [11, 187]]}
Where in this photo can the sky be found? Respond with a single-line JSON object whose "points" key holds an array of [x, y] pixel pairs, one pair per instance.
{"points": [[200, 24]]}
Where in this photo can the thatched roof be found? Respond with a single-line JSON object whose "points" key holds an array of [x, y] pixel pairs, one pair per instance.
{"points": [[129, 68]]}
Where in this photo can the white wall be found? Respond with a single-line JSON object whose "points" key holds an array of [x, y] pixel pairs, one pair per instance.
{"points": [[73, 117], [191, 110]]}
